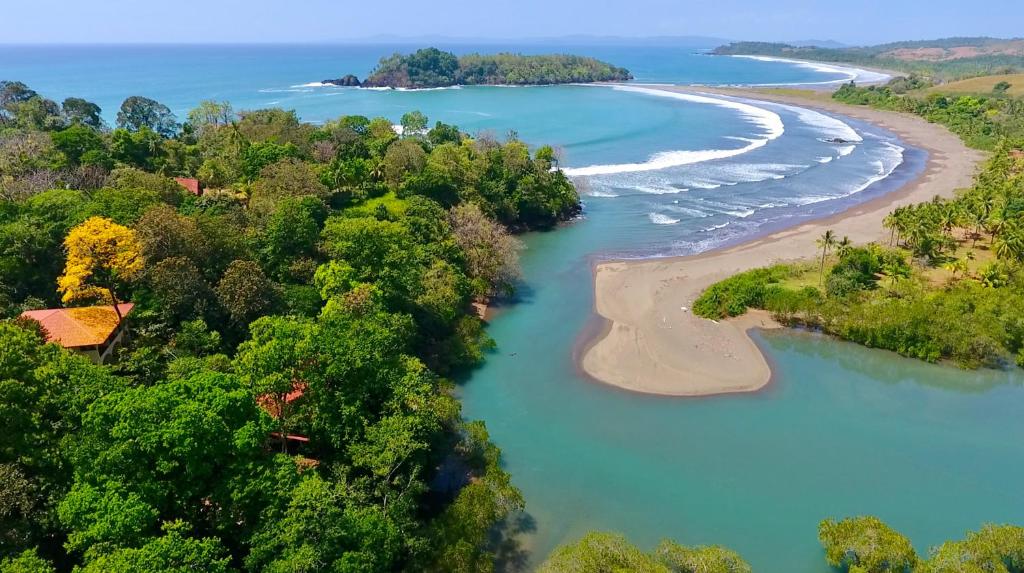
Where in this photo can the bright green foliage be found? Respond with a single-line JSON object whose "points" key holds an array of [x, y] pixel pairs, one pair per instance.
{"points": [[165, 452], [259, 155], [704, 559], [865, 545], [26, 562], [78, 142], [173, 552], [981, 121], [324, 528], [602, 553], [993, 549], [734, 295], [315, 262]]}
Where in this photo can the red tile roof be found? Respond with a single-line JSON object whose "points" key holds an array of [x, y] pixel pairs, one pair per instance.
{"points": [[272, 406], [191, 185], [79, 327]]}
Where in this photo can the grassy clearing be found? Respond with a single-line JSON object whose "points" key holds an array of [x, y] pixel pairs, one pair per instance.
{"points": [[982, 85]]}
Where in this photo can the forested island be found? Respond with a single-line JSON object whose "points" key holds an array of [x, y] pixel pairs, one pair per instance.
{"points": [[287, 313], [433, 68], [942, 60]]}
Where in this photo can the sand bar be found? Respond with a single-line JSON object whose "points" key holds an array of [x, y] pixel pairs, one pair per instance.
{"points": [[652, 343]]}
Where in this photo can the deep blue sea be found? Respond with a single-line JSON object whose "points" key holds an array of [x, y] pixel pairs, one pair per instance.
{"points": [[842, 430]]}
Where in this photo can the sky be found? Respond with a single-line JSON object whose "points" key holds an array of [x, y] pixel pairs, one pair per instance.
{"points": [[856, 22]]}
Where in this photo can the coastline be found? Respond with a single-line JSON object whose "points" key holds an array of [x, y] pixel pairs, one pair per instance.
{"points": [[651, 343]]}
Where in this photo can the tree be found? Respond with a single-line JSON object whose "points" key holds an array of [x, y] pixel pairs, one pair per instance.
{"points": [[291, 232], [79, 141], [414, 124], [705, 559], [865, 545], [173, 552], [100, 254], [211, 114], [284, 179], [78, 111], [1001, 88], [180, 289], [492, 253], [246, 293], [322, 529], [993, 549], [26, 562], [37, 114], [189, 449], [826, 242], [600, 553], [403, 159], [139, 112]]}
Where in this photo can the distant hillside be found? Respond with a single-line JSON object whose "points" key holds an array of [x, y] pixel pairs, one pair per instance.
{"points": [[945, 59], [431, 68], [986, 85]]}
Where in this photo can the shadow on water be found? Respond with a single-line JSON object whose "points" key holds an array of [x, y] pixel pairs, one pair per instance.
{"points": [[507, 543]]}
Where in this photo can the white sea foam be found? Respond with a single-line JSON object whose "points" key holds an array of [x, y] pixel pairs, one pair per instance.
{"points": [[825, 159], [601, 194], [666, 190], [826, 125], [659, 219], [846, 150], [688, 211], [850, 74], [313, 85], [768, 121], [716, 227]]}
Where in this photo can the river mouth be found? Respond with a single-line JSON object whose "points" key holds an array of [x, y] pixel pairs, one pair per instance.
{"points": [[841, 430]]}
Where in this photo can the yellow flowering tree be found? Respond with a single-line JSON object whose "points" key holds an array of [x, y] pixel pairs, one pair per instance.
{"points": [[99, 254]]}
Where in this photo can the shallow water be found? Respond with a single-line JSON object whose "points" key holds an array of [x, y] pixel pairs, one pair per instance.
{"points": [[842, 430]]}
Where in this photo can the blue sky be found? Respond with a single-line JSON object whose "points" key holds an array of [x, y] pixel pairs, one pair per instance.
{"points": [[204, 21]]}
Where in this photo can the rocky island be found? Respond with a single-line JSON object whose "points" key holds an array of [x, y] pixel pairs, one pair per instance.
{"points": [[433, 68]]}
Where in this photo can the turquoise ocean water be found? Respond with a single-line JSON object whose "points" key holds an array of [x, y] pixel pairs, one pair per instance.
{"points": [[841, 430]]}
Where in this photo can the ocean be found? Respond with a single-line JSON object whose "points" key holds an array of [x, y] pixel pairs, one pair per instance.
{"points": [[842, 430]]}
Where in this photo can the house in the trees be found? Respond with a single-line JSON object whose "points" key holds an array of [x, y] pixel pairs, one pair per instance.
{"points": [[94, 331], [191, 185]]}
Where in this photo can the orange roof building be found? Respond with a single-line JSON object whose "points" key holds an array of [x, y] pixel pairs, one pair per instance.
{"points": [[191, 185], [93, 330]]}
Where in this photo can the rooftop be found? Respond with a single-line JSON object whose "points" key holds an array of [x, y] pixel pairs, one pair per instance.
{"points": [[79, 327]]}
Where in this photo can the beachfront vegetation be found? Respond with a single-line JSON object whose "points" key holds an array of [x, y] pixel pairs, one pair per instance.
{"points": [[855, 545], [939, 60], [982, 121], [599, 552], [432, 68], [950, 285], [319, 287]]}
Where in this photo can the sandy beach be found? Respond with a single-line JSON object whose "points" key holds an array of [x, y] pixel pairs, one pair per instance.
{"points": [[652, 343]]}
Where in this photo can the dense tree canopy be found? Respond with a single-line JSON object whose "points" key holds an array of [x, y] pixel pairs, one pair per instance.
{"points": [[431, 68], [279, 405]]}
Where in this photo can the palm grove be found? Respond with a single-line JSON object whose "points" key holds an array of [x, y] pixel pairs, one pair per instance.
{"points": [[320, 287]]}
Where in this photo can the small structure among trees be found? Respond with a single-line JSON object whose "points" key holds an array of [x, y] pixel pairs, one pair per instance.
{"points": [[94, 331]]}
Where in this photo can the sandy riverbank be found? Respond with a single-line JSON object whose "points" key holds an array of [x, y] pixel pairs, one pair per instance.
{"points": [[651, 341]]}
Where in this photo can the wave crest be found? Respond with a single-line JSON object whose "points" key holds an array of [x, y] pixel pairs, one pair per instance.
{"points": [[768, 121]]}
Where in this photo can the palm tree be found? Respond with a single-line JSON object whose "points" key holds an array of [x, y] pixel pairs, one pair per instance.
{"points": [[890, 222], [893, 271], [826, 242], [844, 246]]}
